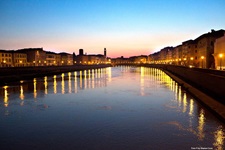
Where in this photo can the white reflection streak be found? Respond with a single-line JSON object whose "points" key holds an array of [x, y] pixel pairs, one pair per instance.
{"points": [[55, 84], [219, 138]]}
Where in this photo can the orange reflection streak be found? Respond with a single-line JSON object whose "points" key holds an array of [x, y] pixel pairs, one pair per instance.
{"points": [[75, 82], [85, 79], [219, 138], [6, 98], [179, 96], [21, 93], [93, 79], [142, 92], [35, 88], [63, 83], [46, 84], [185, 103], [201, 123], [69, 82], [55, 84], [191, 107], [98, 76], [89, 79], [80, 79]]}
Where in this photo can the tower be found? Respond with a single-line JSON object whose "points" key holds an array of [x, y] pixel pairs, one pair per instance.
{"points": [[105, 52], [81, 52]]}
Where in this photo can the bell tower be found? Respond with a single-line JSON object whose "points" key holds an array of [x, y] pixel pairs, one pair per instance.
{"points": [[105, 52]]}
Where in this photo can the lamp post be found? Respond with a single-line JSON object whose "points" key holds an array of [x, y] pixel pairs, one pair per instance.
{"points": [[202, 57], [220, 55]]}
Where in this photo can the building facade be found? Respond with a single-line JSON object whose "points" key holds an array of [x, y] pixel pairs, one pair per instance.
{"points": [[6, 58], [19, 59], [219, 53]]}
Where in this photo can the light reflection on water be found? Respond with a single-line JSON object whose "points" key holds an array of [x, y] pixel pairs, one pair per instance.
{"points": [[116, 108]]}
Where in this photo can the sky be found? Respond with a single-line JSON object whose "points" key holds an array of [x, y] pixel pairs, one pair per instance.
{"points": [[124, 27]]}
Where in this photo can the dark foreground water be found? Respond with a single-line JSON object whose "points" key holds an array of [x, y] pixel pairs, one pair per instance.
{"points": [[121, 108]]}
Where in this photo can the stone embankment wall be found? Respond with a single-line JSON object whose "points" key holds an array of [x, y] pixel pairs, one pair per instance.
{"points": [[13, 74], [211, 82]]}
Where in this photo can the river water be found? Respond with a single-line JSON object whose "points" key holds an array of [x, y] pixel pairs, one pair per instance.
{"points": [[119, 108]]}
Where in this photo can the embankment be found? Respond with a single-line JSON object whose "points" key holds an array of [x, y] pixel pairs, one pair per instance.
{"points": [[13, 74], [208, 86]]}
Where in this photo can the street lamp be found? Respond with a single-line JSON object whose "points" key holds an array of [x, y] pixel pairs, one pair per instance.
{"points": [[220, 55], [202, 57]]}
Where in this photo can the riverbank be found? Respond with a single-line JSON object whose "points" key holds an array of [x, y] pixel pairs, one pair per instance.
{"points": [[14, 74], [206, 85], [216, 107]]}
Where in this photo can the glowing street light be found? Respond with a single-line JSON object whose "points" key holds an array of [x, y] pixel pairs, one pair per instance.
{"points": [[202, 57], [220, 55]]}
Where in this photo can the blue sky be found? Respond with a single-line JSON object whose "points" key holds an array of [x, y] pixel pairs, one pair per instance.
{"points": [[124, 27]]}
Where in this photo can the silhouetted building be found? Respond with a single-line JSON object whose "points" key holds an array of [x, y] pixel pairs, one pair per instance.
{"points": [[105, 52], [81, 52]]}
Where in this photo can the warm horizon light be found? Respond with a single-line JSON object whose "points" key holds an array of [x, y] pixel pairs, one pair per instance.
{"points": [[125, 27]]}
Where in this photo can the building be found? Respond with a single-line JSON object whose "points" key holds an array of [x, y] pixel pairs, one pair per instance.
{"points": [[19, 59], [90, 59], [66, 59], [58, 60], [219, 53], [189, 53], [205, 48], [6, 58], [35, 56], [50, 59]]}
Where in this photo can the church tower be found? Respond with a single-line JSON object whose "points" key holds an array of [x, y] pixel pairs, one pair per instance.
{"points": [[105, 52]]}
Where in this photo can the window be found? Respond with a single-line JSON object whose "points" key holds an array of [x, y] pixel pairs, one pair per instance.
{"points": [[196, 58], [196, 51]]}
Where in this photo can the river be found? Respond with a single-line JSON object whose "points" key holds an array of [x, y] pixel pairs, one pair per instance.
{"points": [[118, 108]]}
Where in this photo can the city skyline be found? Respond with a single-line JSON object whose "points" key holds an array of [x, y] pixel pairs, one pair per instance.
{"points": [[125, 28]]}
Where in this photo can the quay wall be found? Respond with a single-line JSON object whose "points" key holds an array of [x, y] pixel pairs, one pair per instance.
{"points": [[211, 82], [13, 74]]}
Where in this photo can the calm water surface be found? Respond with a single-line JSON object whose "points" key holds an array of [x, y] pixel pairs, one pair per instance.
{"points": [[121, 108]]}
